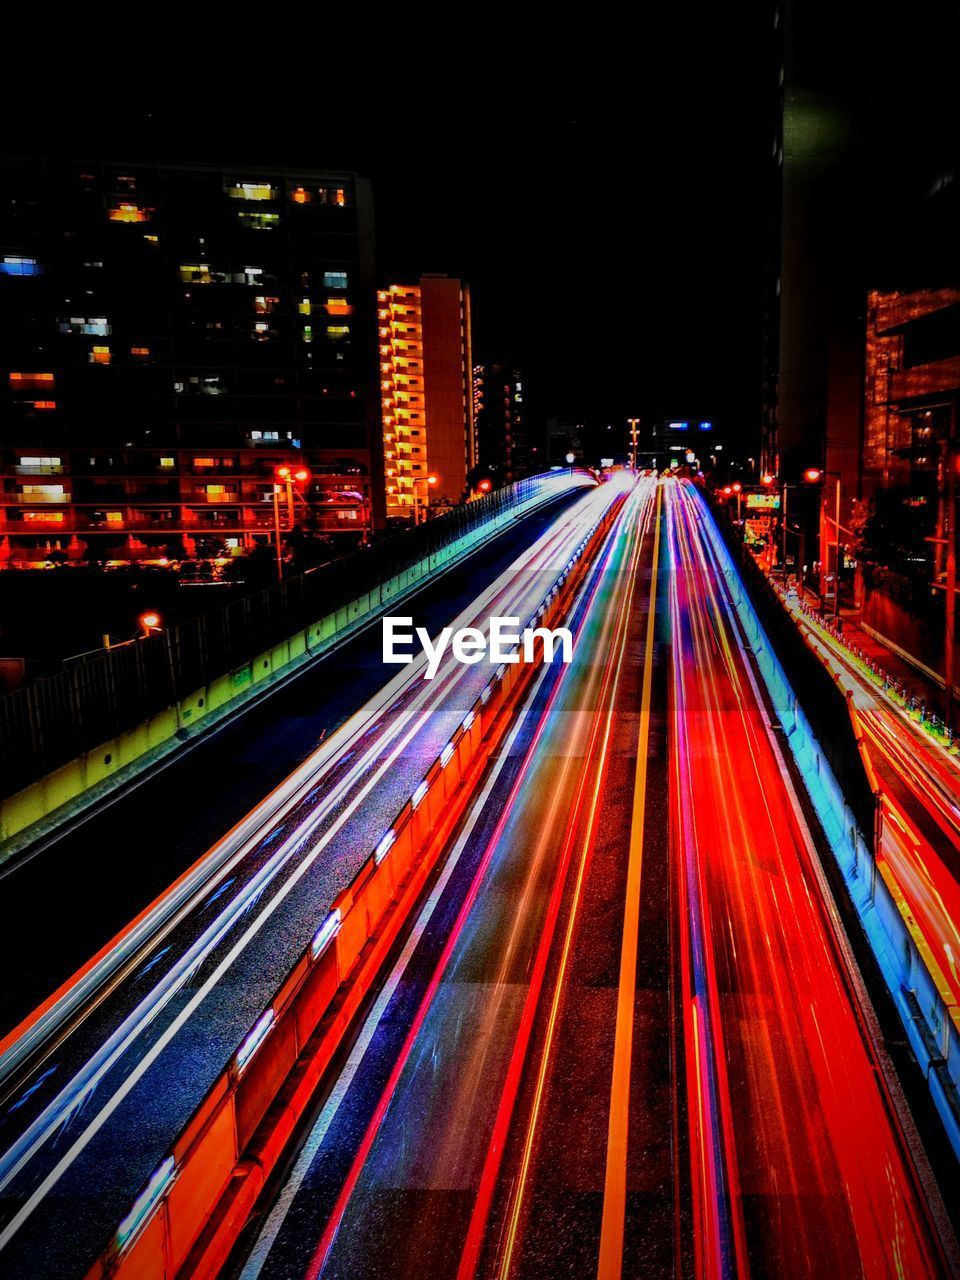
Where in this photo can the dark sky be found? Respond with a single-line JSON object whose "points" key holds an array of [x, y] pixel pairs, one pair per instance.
{"points": [[601, 186]]}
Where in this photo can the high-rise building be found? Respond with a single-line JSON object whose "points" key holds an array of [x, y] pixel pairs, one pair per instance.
{"points": [[170, 333], [429, 436], [504, 447]]}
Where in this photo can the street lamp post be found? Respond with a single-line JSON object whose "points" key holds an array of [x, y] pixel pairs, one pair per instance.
{"points": [[418, 504], [287, 477], [814, 475], [633, 424]]}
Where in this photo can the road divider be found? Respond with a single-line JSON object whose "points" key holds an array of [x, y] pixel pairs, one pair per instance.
{"points": [[188, 1216]]}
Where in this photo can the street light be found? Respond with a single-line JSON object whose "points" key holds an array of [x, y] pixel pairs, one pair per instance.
{"points": [[813, 475], [288, 477], [418, 502], [633, 424], [150, 623]]}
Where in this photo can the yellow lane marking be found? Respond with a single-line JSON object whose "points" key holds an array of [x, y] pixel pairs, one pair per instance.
{"points": [[610, 1264]]}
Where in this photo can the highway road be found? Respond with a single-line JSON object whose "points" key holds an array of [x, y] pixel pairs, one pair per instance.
{"points": [[622, 1033], [623, 1038], [96, 1083]]}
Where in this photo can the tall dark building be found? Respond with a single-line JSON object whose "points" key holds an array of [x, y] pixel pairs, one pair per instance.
{"points": [[504, 445], [171, 333], [863, 183]]}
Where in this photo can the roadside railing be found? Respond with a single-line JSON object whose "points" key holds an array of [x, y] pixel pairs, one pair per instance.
{"points": [[55, 720]]}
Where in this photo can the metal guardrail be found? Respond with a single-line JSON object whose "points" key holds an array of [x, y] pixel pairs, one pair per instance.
{"points": [[56, 719]]}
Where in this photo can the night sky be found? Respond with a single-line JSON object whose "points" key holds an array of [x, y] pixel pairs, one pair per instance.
{"points": [[604, 190]]}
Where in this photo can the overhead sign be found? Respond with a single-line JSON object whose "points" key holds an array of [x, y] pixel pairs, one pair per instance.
{"points": [[764, 501]]}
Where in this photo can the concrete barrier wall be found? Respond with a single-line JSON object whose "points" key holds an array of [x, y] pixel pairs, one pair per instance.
{"points": [[925, 999], [115, 760], [188, 1217]]}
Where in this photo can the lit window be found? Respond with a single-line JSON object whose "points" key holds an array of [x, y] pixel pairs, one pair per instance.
{"points": [[308, 333], [196, 273], [304, 306], [34, 461], [100, 355], [31, 381], [251, 191], [258, 221], [339, 307], [338, 332], [167, 462], [268, 436], [44, 492], [129, 213], [96, 326], [264, 303], [44, 405], [113, 517], [140, 352], [152, 239], [16, 266], [335, 280], [300, 196], [204, 462], [47, 517]]}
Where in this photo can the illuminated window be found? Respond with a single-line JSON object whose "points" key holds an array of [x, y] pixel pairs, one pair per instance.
{"points": [[16, 266], [44, 492], [304, 307], [264, 303], [338, 332], [31, 381], [308, 333], [204, 462], [152, 239], [251, 191], [335, 280], [100, 355], [196, 273], [167, 462], [34, 461], [300, 196], [140, 352], [96, 326], [339, 307], [258, 221], [44, 405], [129, 213], [113, 517], [47, 517]]}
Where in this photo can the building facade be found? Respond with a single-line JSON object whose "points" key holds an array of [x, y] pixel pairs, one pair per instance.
{"points": [[171, 334], [504, 447], [428, 429]]}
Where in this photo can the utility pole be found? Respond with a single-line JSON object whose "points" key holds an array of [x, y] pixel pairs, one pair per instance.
{"points": [[276, 530]]}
